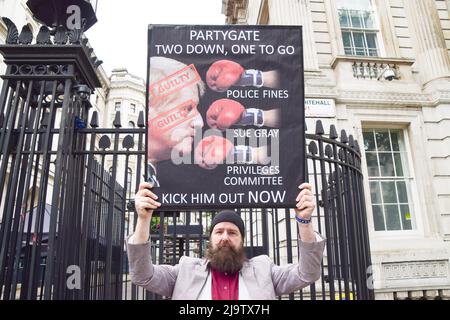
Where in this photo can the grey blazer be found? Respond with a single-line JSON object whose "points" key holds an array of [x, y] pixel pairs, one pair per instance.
{"points": [[264, 279]]}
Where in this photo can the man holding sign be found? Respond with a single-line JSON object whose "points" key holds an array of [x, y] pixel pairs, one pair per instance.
{"points": [[225, 273], [250, 154]]}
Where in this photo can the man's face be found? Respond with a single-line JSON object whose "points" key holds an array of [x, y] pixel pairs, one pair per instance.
{"points": [[173, 121], [226, 233], [225, 249]]}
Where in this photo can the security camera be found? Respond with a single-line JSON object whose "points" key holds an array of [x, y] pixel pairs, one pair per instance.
{"points": [[388, 74]]}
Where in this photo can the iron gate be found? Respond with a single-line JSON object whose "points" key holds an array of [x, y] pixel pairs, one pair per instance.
{"points": [[66, 208]]}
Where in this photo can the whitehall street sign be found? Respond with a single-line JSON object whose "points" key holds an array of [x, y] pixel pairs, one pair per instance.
{"points": [[320, 108]]}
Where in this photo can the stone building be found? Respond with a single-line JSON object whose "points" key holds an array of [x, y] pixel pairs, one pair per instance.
{"points": [[380, 69]]}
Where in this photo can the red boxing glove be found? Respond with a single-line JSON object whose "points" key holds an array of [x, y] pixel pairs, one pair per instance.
{"points": [[223, 74], [212, 151], [224, 113]]}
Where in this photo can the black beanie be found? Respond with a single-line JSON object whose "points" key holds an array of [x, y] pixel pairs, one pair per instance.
{"points": [[228, 216]]}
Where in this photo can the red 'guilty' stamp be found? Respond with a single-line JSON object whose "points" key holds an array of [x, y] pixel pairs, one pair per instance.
{"points": [[173, 117], [174, 82]]}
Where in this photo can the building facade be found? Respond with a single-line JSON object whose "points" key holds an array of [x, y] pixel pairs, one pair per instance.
{"points": [[380, 69]]}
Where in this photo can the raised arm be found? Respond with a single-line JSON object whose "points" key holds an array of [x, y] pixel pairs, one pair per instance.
{"points": [[155, 278], [292, 277]]}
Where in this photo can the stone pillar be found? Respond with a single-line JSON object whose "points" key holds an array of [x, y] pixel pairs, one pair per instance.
{"points": [[432, 56], [296, 12], [433, 64]]}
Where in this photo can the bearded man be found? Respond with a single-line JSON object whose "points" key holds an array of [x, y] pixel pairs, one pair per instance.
{"points": [[225, 273]]}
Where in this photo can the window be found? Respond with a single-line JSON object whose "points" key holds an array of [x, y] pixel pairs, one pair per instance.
{"points": [[131, 124], [358, 26], [117, 106], [389, 179], [133, 107]]}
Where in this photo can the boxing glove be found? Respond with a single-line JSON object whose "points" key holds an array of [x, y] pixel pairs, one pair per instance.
{"points": [[225, 113], [212, 151], [225, 73]]}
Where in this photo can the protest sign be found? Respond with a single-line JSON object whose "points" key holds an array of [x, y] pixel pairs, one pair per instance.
{"points": [[225, 111]]}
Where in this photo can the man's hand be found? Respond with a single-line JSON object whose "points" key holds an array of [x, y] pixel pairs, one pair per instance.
{"points": [[145, 201], [306, 202]]}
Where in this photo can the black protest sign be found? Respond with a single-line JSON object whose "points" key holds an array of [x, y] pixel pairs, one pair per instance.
{"points": [[225, 111]]}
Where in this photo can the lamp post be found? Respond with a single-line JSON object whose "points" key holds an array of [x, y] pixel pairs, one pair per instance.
{"points": [[54, 13]]}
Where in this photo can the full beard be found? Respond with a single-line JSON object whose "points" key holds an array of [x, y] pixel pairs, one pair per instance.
{"points": [[225, 258]]}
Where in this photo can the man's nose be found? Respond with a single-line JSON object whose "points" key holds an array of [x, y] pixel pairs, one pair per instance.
{"points": [[225, 236]]}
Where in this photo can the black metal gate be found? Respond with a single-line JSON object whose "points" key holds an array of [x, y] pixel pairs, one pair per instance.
{"points": [[66, 197]]}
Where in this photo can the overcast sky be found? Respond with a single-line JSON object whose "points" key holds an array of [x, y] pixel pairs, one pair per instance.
{"points": [[120, 36]]}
